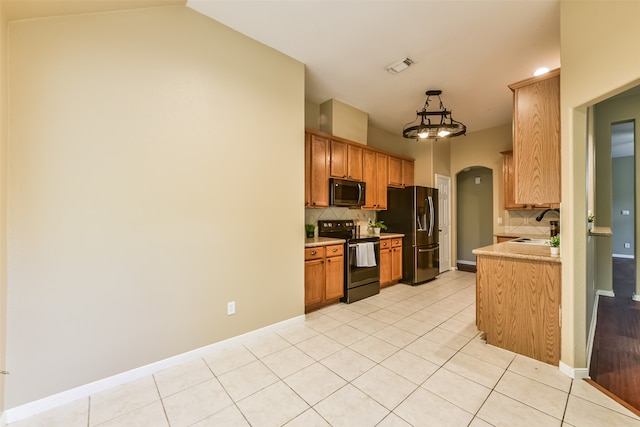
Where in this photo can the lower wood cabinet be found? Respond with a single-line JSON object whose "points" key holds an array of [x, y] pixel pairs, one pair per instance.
{"points": [[518, 305], [390, 261], [323, 276]]}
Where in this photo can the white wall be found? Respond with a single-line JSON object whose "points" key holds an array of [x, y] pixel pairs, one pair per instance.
{"points": [[141, 188]]}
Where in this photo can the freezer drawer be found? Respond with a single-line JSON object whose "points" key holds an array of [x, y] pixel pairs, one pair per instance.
{"points": [[423, 264]]}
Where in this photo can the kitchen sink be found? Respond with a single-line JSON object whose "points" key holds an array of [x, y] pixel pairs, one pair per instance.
{"points": [[528, 241]]}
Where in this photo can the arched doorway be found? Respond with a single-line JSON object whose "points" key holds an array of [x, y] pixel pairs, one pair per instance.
{"points": [[474, 224]]}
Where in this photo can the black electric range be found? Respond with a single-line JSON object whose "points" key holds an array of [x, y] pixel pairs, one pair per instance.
{"points": [[362, 259]]}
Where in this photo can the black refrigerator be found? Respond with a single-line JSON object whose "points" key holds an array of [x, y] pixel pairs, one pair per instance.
{"points": [[413, 211]]}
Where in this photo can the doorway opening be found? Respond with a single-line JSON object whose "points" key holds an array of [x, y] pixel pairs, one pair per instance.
{"points": [[623, 202], [474, 224]]}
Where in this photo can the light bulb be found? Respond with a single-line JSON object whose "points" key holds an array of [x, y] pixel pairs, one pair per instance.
{"points": [[443, 133], [423, 134]]}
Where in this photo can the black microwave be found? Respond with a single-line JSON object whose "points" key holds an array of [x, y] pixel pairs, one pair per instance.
{"points": [[345, 193]]}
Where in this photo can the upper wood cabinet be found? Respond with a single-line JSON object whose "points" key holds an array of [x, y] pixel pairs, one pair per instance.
{"points": [[536, 139], [346, 161], [331, 156], [316, 171], [400, 172], [509, 191]]}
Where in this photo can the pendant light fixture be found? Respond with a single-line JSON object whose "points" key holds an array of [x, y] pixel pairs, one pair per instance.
{"points": [[443, 125]]}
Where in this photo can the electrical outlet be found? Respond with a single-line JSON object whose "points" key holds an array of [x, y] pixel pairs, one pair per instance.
{"points": [[627, 245], [231, 308], [499, 220], [526, 220]]}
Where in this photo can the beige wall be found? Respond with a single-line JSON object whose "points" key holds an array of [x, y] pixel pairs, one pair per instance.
{"points": [[480, 148], [139, 201], [610, 29]]}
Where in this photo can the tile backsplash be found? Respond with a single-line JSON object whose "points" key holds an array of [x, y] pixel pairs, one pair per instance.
{"points": [[524, 222], [360, 217]]}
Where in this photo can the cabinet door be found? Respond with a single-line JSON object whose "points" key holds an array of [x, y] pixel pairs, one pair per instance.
{"points": [[536, 140], [385, 266], [338, 161], [407, 173], [396, 263], [395, 172], [319, 174], [508, 181], [354, 168], [307, 170], [334, 270], [314, 279], [369, 177], [382, 171]]}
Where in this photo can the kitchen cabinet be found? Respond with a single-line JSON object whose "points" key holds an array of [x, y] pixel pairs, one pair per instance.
{"points": [[316, 171], [536, 139], [390, 261], [518, 305], [400, 172], [375, 177], [396, 259], [502, 239], [346, 161], [508, 180], [323, 276]]}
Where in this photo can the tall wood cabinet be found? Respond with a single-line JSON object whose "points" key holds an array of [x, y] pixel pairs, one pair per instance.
{"points": [[316, 171], [536, 139]]}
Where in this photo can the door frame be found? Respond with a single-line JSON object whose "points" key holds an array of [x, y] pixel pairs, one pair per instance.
{"points": [[446, 180]]}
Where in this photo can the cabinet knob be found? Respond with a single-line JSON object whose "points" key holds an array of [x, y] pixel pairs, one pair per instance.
{"points": [[313, 252], [334, 250]]}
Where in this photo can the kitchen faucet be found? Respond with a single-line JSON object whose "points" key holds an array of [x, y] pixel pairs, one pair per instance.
{"points": [[539, 217]]}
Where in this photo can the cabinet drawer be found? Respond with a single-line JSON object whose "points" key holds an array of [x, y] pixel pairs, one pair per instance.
{"points": [[395, 243], [334, 250], [313, 253], [385, 244]]}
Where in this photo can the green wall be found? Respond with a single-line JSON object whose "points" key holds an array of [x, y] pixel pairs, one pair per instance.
{"points": [[474, 212]]}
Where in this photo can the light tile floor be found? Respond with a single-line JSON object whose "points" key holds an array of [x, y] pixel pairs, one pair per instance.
{"points": [[410, 356]]}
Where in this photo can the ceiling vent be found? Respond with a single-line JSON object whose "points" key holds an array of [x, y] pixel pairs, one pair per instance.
{"points": [[400, 66]]}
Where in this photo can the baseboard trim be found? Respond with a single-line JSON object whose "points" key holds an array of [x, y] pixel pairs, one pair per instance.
{"points": [[59, 399], [575, 373], [603, 293], [592, 331], [3, 421]]}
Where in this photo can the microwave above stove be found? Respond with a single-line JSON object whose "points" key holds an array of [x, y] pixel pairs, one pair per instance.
{"points": [[345, 193]]}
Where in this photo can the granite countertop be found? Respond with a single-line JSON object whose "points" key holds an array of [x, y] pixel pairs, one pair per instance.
{"points": [[520, 251], [390, 235], [322, 241], [325, 241]]}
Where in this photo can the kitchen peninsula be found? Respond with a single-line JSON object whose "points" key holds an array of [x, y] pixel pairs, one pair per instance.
{"points": [[518, 299]]}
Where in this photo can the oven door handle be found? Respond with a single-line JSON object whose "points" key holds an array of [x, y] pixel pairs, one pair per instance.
{"points": [[353, 245]]}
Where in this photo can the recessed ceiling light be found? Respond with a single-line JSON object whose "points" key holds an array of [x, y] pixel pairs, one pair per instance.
{"points": [[540, 71], [400, 65]]}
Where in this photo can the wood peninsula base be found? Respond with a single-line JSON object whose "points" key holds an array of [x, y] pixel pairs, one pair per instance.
{"points": [[518, 302]]}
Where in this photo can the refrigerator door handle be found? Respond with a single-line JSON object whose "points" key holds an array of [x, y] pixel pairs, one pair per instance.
{"points": [[428, 250], [431, 216]]}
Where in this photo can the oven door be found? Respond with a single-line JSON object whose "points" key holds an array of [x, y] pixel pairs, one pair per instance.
{"points": [[358, 276]]}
